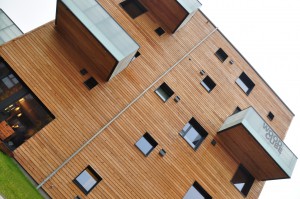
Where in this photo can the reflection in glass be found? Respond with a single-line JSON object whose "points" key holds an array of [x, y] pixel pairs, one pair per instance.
{"points": [[21, 113], [8, 30], [193, 133], [87, 179], [146, 144], [243, 180], [196, 192]]}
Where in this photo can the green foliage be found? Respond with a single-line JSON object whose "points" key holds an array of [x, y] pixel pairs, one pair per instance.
{"points": [[13, 184]]}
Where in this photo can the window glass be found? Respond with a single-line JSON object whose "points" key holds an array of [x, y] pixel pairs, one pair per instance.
{"points": [[196, 191], [208, 84], [221, 55], [243, 180], [193, 133], [164, 92], [146, 144], [87, 179], [245, 83], [22, 114]]}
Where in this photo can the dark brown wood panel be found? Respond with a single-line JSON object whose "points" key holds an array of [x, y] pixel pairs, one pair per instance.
{"points": [[249, 153], [82, 39], [169, 12]]}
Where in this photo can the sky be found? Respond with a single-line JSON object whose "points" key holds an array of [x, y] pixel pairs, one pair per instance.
{"points": [[266, 32]]}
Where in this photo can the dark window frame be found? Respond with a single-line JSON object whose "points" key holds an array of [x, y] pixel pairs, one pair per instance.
{"points": [[200, 189], [139, 8], [98, 179], [221, 55], [270, 116], [241, 170], [160, 31], [244, 78], [199, 129], [208, 84], [90, 83], [150, 140], [164, 88]]}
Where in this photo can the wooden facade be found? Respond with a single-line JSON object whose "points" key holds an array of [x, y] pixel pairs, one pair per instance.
{"points": [[122, 110]]}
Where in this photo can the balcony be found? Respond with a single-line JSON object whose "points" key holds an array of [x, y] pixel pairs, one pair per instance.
{"points": [[87, 25], [173, 14], [253, 143]]}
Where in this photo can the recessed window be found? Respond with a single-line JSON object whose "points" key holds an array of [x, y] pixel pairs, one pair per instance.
{"points": [[271, 116], [221, 55], [91, 83], [196, 191], [87, 180], [193, 133], [133, 8], [164, 92], [243, 180], [159, 31], [208, 84], [245, 83], [237, 109], [146, 144]]}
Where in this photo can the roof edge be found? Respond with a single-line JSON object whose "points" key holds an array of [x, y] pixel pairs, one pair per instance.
{"points": [[247, 62]]}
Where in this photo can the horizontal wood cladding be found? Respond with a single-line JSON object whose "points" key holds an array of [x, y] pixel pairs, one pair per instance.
{"points": [[169, 12], [50, 66]]}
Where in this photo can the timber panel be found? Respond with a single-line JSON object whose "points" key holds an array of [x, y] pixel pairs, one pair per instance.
{"points": [[169, 12], [50, 67], [78, 35], [249, 153]]}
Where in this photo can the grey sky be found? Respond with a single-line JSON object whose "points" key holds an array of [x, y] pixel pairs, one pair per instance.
{"points": [[265, 32]]}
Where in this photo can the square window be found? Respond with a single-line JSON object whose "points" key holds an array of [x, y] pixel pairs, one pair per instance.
{"points": [[208, 84], [146, 144], [133, 8], [164, 92], [196, 191], [270, 116], [243, 180], [91, 83], [245, 83], [159, 31], [193, 133], [221, 55], [87, 180]]}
